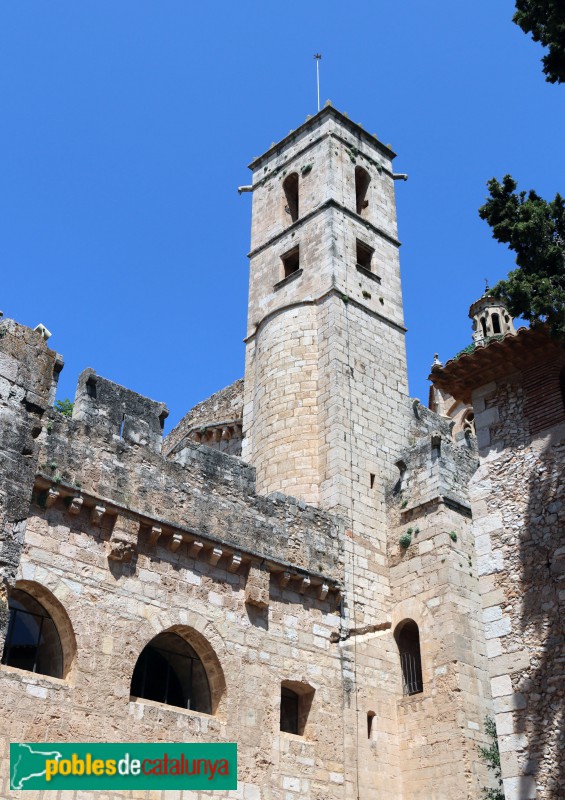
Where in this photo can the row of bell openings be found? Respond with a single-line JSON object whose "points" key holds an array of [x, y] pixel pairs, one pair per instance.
{"points": [[169, 670], [291, 189], [291, 184]]}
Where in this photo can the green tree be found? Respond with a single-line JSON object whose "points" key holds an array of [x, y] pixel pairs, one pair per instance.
{"points": [[545, 20], [534, 229], [491, 757], [64, 407]]}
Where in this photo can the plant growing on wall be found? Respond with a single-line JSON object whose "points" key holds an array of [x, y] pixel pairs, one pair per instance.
{"points": [[64, 407], [491, 757], [405, 540]]}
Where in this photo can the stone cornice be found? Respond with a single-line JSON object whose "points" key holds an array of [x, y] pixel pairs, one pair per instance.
{"points": [[331, 203], [327, 111], [172, 536], [333, 291], [284, 165]]}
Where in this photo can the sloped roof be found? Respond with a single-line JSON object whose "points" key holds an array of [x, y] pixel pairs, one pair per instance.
{"points": [[514, 352]]}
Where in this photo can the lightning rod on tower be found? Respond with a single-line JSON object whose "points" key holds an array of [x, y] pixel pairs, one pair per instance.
{"points": [[318, 57]]}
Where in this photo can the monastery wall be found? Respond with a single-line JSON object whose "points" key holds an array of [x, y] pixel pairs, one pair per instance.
{"points": [[518, 498], [434, 582], [222, 409], [121, 544]]}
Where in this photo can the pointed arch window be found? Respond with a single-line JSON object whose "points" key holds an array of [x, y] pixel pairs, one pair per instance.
{"points": [[407, 638], [362, 181], [290, 188]]}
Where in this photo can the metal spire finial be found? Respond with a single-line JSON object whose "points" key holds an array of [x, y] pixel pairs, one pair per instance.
{"points": [[318, 57]]}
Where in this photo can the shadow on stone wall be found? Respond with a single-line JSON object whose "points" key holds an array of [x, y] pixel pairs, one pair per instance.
{"points": [[542, 624]]}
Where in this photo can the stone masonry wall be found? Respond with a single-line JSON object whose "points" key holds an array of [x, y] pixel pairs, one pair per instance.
{"points": [[518, 497], [26, 376], [326, 389], [115, 609], [434, 582], [122, 543], [223, 406]]}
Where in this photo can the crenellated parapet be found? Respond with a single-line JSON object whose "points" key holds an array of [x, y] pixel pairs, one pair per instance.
{"points": [[434, 469], [122, 413], [198, 501]]}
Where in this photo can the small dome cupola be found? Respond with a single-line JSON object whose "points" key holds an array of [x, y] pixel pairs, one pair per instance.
{"points": [[491, 318]]}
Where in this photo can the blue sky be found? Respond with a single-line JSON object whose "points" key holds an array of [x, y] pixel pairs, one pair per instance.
{"points": [[127, 127]]}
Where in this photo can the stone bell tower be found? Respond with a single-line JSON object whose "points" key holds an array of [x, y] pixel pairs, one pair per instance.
{"points": [[490, 318], [325, 377]]}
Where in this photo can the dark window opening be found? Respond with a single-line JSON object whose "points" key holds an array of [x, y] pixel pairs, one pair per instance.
{"points": [[469, 422], [162, 418], [291, 261], [372, 479], [362, 181], [364, 255], [436, 447], [370, 718], [91, 388], [170, 671], [290, 188], [407, 638], [399, 485], [296, 701], [484, 326], [289, 710], [32, 642], [496, 323]]}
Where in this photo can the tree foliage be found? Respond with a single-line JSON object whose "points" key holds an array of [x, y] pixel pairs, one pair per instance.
{"points": [[535, 230], [491, 757], [64, 407], [545, 20]]}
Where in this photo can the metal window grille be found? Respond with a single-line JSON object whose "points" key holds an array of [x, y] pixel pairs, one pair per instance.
{"points": [[25, 642], [168, 676], [411, 674]]}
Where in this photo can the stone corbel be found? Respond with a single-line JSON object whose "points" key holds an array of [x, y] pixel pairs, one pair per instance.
{"points": [[96, 515], [175, 542], [323, 591], [234, 562], [52, 497], [214, 556], [123, 541], [284, 579], [257, 587], [154, 534], [304, 584], [75, 505], [195, 549]]}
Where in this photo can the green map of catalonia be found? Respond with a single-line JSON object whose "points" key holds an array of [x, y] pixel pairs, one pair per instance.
{"points": [[28, 762]]}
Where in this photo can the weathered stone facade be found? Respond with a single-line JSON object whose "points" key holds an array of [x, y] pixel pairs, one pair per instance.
{"points": [[518, 501], [307, 529]]}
